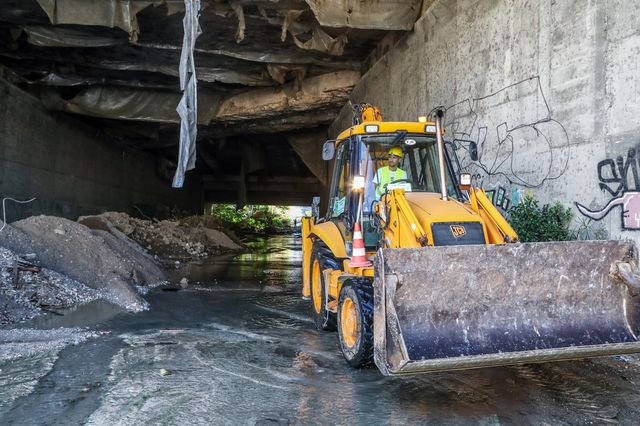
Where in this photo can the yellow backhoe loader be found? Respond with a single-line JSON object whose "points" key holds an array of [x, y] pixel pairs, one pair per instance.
{"points": [[442, 282]]}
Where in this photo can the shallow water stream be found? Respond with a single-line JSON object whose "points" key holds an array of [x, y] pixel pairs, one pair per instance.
{"points": [[237, 346]]}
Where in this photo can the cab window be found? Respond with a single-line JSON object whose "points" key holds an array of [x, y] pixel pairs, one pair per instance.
{"points": [[339, 192]]}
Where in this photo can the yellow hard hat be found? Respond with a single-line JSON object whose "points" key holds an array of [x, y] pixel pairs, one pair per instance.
{"points": [[396, 150]]}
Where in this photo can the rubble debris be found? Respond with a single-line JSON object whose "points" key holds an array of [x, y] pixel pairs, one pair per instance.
{"points": [[27, 291], [304, 360], [168, 238], [97, 262], [50, 264]]}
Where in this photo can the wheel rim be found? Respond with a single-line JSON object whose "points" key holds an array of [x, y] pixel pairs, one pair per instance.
{"points": [[316, 287], [349, 322]]}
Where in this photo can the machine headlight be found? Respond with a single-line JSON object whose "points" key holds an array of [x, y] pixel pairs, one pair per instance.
{"points": [[429, 128], [465, 181], [358, 182], [371, 128]]}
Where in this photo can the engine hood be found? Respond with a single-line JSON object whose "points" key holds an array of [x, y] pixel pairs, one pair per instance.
{"points": [[430, 209]]}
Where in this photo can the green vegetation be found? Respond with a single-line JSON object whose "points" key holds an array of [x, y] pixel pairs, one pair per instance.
{"points": [[551, 223], [546, 223], [252, 219]]}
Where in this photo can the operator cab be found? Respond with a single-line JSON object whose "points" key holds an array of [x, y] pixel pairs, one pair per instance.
{"points": [[358, 160]]}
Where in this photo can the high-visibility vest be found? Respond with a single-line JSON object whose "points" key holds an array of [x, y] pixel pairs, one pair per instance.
{"points": [[384, 178]]}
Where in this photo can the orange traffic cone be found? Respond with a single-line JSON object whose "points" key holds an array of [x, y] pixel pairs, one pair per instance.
{"points": [[358, 258]]}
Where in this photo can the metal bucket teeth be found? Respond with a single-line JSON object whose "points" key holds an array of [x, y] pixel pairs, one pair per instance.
{"points": [[459, 307]]}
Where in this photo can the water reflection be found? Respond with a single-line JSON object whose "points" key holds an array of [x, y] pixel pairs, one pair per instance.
{"points": [[275, 260]]}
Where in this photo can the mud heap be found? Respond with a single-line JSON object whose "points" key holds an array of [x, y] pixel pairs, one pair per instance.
{"points": [[197, 236], [50, 263]]}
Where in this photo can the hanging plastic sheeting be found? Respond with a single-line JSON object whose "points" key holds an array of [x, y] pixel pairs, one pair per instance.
{"points": [[323, 42], [279, 73], [105, 13], [320, 40], [397, 15], [290, 24], [188, 106], [281, 57], [207, 74], [129, 104], [69, 37], [53, 79], [237, 9]]}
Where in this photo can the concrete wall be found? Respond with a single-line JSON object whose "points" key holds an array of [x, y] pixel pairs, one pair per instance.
{"points": [[548, 89], [71, 169]]}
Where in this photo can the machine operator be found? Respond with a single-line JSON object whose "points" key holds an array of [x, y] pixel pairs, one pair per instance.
{"points": [[389, 174]]}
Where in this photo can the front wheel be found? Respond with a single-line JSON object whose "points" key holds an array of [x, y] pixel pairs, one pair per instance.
{"points": [[355, 323]]}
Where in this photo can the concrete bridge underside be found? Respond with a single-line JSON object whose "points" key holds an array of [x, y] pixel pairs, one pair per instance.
{"points": [[88, 91], [89, 118]]}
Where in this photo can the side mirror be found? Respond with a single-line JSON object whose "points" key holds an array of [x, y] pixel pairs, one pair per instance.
{"points": [[473, 151], [328, 150]]}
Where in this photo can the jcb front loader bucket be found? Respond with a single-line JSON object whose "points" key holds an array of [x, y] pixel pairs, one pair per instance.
{"points": [[460, 307]]}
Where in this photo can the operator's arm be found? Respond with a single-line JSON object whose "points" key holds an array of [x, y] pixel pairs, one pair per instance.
{"points": [[376, 183]]}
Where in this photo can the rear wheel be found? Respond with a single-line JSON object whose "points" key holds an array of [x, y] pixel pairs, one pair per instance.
{"points": [[321, 259], [355, 322]]}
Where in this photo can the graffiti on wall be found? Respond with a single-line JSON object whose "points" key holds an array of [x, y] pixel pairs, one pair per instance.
{"points": [[518, 141], [504, 196], [620, 179]]}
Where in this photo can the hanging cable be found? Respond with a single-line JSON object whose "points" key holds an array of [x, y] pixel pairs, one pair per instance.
{"points": [[4, 210]]}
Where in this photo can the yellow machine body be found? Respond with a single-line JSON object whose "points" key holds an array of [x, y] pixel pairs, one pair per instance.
{"points": [[449, 286]]}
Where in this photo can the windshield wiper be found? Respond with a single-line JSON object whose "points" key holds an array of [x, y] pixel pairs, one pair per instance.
{"points": [[401, 134]]}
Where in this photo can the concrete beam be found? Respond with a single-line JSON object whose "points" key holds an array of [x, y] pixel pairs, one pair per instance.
{"points": [[280, 190], [322, 91]]}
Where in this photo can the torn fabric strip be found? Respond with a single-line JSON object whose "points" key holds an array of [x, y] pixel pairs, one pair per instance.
{"points": [[188, 106]]}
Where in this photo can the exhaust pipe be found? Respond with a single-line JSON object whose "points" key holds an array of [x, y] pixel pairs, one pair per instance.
{"points": [[440, 142]]}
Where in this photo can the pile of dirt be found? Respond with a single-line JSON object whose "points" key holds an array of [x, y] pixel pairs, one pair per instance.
{"points": [[94, 258], [167, 238], [27, 290]]}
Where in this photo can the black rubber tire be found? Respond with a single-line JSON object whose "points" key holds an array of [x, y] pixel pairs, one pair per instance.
{"points": [[323, 320], [360, 292]]}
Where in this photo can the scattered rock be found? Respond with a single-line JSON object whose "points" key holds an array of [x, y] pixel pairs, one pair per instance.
{"points": [[184, 282], [165, 372], [167, 238], [304, 360]]}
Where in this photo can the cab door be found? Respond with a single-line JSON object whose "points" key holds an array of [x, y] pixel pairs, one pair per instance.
{"points": [[343, 204]]}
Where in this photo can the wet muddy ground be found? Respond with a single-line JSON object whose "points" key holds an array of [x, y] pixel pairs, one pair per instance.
{"points": [[236, 346]]}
